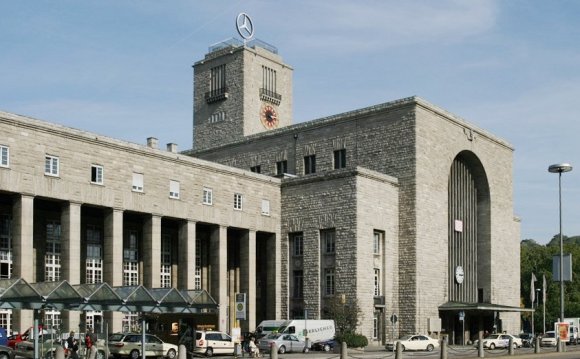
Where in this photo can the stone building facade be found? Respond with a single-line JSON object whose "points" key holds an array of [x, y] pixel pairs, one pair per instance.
{"points": [[402, 208]]}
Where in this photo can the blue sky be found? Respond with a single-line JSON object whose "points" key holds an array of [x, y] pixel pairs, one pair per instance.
{"points": [[123, 69]]}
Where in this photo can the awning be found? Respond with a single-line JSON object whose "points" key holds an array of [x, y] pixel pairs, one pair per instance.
{"points": [[16, 293], [480, 307]]}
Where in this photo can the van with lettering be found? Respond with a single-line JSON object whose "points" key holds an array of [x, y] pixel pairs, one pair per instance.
{"points": [[311, 331]]}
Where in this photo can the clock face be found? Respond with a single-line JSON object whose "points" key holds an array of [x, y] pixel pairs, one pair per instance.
{"points": [[459, 274], [269, 116]]}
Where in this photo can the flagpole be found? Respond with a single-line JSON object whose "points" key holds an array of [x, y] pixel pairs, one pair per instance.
{"points": [[544, 301]]}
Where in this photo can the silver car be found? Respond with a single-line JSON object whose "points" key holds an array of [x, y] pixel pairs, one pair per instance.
{"points": [[284, 342]]}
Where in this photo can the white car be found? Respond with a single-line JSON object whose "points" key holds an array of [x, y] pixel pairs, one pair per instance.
{"points": [[549, 339], [415, 342], [493, 341], [212, 342]]}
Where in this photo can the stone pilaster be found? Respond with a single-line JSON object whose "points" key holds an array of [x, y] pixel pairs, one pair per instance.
{"points": [[186, 255], [152, 252], [218, 260], [23, 219], [71, 256]]}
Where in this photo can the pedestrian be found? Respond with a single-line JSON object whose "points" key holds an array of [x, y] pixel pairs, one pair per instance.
{"points": [[72, 346], [91, 343]]}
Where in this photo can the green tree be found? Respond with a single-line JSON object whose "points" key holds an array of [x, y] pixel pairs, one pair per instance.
{"points": [[346, 314]]}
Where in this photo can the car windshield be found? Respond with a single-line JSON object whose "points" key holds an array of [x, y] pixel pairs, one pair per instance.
{"points": [[550, 335], [492, 336], [406, 337], [116, 337], [273, 336]]}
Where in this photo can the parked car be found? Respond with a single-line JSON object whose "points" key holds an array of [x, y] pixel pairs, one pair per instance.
{"points": [[129, 345], [415, 342], [549, 339], [6, 352], [27, 335], [284, 342], [493, 341], [212, 342], [325, 345]]}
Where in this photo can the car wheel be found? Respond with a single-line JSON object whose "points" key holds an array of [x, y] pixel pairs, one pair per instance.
{"points": [[50, 354], [209, 352], [430, 347], [134, 354], [171, 353], [492, 346], [282, 349], [101, 355], [305, 350], [515, 345], [402, 347], [326, 348], [4, 355]]}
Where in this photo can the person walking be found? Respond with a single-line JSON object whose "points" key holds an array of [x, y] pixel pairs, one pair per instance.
{"points": [[91, 343], [72, 346]]}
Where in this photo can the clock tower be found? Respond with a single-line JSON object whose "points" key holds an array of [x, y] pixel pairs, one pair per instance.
{"points": [[240, 89]]}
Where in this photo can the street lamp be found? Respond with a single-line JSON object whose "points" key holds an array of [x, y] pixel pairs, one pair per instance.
{"points": [[559, 168]]}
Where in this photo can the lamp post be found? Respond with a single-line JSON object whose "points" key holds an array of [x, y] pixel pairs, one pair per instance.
{"points": [[559, 168]]}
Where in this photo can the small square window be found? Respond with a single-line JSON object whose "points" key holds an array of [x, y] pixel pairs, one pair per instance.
{"points": [[256, 169], [96, 174], [238, 199], [329, 241], [174, 189], [265, 207], [207, 196], [310, 164], [138, 182], [4, 156], [339, 159], [51, 164], [281, 167]]}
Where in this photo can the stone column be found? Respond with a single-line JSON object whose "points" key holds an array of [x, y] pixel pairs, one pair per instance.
{"points": [[23, 253], [248, 278], [113, 261], [186, 255], [152, 252], [70, 219], [218, 261]]}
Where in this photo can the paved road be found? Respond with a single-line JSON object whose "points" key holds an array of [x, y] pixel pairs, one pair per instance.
{"points": [[453, 353]]}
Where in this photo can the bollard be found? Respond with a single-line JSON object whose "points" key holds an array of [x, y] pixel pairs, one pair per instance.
{"points": [[443, 349], [343, 350], [558, 345], [399, 352], [182, 352], [480, 351], [59, 352], [537, 345], [511, 346], [274, 351], [237, 350]]}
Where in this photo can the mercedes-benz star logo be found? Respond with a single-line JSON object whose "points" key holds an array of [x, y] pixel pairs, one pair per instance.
{"points": [[245, 26]]}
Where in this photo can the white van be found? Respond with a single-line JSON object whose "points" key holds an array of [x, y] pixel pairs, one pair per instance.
{"points": [[267, 327], [314, 330]]}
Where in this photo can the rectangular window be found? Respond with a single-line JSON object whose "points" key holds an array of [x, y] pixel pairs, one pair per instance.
{"points": [[329, 281], [218, 80], [265, 207], [281, 167], [339, 159], [174, 189], [51, 165], [298, 281], [238, 199], [377, 242], [328, 240], [96, 174], [94, 262], [256, 169], [166, 261], [207, 196], [297, 240], [131, 259], [197, 275], [376, 326], [269, 80], [377, 282], [310, 164], [52, 254], [4, 156], [138, 182], [5, 247]]}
